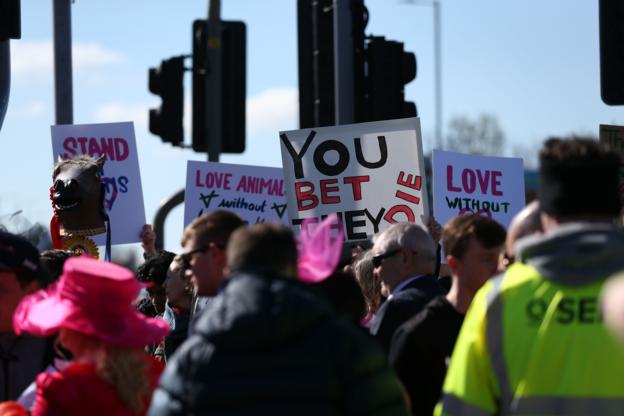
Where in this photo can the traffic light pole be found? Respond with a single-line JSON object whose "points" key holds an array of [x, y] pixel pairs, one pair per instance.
{"points": [[5, 77], [343, 62], [63, 62], [438, 68], [162, 212], [213, 84]]}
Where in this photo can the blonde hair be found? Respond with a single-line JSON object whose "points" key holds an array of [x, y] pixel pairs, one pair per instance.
{"points": [[124, 367]]}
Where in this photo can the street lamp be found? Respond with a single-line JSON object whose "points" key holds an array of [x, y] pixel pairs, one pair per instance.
{"points": [[437, 49]]}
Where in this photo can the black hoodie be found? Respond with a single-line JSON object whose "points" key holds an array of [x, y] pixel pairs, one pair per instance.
{"points": [[269, 346]]}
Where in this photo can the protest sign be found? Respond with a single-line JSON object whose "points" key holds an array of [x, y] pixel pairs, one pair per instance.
{"points": [[469, 184], [614, 137], [255, 193], [370, 174], [121, 176]]}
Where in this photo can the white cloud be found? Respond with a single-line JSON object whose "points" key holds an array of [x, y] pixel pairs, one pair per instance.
{"points": [[38, 58], [114, 112], [91, 55], [31, 109], [267, 113], [273, 110]]}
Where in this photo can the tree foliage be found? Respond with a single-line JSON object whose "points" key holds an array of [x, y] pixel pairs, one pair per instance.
{"points": [[482, 136]]}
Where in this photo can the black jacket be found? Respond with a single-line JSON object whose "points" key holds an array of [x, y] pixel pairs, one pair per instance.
{"points": [[420, 350], [268, 346], [402, 306]]}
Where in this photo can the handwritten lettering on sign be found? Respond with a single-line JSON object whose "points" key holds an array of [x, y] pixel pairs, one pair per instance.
{"points": [[483, 185], [255, 193], [363, 177]]}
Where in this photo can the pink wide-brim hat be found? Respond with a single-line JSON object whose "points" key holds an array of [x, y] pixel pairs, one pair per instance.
{"points": [[94, 298]]}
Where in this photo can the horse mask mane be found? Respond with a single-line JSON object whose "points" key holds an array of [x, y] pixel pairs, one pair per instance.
{"points": [[77, 196]]}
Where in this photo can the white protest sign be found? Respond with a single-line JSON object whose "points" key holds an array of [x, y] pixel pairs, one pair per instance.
{"points": [[370, 174], [468, 184], [256, 193], [121, 175]]}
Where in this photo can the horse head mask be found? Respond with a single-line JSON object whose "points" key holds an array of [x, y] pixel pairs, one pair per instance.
{"points": [[77, 196]]}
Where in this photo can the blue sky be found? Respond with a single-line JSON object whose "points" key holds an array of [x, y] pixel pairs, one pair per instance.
{"points": [[533, 64]]}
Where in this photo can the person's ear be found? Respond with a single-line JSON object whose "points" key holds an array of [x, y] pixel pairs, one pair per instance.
{"points": [[452, 262]]}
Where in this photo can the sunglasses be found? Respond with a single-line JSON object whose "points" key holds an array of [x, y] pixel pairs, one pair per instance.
{"points": [[185, 258], [378, 260]]}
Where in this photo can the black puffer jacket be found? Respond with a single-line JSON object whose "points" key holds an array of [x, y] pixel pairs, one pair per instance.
{"points": [[268, 346]]}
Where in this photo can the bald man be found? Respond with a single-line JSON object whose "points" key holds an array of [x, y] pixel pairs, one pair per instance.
{"points": [[525, 223]]}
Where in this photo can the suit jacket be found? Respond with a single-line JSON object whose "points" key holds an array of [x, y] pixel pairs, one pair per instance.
{"points": [[402, 306]]}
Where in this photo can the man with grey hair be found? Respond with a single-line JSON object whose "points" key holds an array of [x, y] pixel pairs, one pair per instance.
{"points": [[404, 257]]}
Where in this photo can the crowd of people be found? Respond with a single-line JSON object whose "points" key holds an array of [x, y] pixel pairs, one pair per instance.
{"points": [[251, 319]]}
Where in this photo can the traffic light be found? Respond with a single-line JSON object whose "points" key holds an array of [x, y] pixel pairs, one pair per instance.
{"points": [[388, 69], [381, 68], [167, 82], [315, 29], [233, 88], [10, 25], [612, 51]]}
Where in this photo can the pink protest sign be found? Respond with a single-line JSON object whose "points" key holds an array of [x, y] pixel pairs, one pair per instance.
{"points": [[484, 185]]}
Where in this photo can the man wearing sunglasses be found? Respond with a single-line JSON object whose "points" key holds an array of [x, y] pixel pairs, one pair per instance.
{"points": [[203, 256], [404, 257], [268, 345]]}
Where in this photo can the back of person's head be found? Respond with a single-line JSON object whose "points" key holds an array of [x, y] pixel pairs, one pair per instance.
{"points": [[215, 226], [154, 269], [524, 223], [124, 368], [409, 236], [369, 283], [266, 248], [461, 230], [343, 293], [53, 261], [22, 258], [579, 180]]}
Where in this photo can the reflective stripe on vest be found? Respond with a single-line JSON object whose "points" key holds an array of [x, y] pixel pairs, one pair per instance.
{"points": [[494, 334], [531, 405], [453, 405], [569, 406]]}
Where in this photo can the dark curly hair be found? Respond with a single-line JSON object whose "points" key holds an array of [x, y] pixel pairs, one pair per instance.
{"points": [[154, 269], [53, 261]]}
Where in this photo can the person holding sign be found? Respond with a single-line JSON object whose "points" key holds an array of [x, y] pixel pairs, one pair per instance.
{"points": [[404, 257]]}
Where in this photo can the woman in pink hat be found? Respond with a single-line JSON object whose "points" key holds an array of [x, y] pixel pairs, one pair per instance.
{"points": [[91, 310]]}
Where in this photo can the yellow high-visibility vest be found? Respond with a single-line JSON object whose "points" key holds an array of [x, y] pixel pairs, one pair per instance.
{"points": [[531, 346]]}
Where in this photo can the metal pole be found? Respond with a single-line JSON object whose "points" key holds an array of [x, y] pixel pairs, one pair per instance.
{"points": [[437, 40], [5, 77], [161, 214], [213, 82], [343, 62], [63, 62]]}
